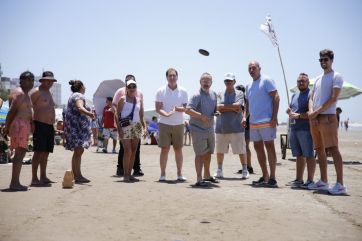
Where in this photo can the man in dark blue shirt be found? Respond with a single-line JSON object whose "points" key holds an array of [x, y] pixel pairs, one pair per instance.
{"points": [[300, 137]]}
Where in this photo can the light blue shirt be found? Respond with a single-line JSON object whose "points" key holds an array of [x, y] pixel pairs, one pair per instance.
{"points": [[323, 88], [259, 100]]}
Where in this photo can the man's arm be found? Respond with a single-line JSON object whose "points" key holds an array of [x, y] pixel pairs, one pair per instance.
{"points": [[333, 99], [275, 99], [142, 114], [161, 111]]}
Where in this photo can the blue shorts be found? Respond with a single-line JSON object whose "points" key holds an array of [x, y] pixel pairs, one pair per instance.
{"points": [[301, 143], [263, 134]]}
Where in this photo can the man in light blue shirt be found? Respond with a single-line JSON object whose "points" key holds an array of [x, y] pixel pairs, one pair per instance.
{"points": [[262, 104]]}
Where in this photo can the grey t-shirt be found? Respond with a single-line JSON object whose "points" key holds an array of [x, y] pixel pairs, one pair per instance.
{"points": [[204, 103], [322, 90], [230, 122]]}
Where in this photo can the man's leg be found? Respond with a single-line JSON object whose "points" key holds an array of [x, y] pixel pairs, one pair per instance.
{"points": [[272, 157], [114, 145], [17, 164], [43, 166], [163, 159], [120, 160], [260, 153], [198, 166], [137, 161], [207, 162], [300, 165], [34, 168], [311, 168], [179, 160], [105, 145], [322, 160], [338, 163]]}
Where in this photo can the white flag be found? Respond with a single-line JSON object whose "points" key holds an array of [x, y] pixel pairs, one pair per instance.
{"points": [[268, 29]]}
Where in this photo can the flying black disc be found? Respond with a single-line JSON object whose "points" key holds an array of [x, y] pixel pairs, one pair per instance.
{"points": [[204, 52]]}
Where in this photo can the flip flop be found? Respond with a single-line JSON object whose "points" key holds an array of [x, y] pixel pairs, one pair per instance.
{"points": [[201, 184], [212, 179]]}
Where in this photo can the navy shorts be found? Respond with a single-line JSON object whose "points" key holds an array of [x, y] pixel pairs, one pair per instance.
{"points": [[301, 143], [43, 137]]}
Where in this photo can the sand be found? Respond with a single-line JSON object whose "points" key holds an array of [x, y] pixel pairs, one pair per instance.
{"points": [[108, 209]]}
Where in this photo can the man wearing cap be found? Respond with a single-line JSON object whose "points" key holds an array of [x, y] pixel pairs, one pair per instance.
{"points": [[137, 171], [262, 102], [229, 130], [201, 108], [44, 119], [171, 101], [109, 126]]}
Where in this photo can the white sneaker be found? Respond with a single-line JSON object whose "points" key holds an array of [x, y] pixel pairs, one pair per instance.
{"points": [[245, 174], [337, 189], [219, 173], [162, 179], [320, 185], [181, 178]]}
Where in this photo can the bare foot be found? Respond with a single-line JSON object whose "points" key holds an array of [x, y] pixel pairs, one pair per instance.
{"points": [[18, 187]]}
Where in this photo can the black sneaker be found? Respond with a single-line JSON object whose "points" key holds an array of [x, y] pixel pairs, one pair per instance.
{"points": [[272, 183], [119, 172], [260, 182], [138, 173], [250, 170], [240, 171]]}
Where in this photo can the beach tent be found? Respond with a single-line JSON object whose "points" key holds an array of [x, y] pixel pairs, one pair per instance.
{"points": [[348, 90], [4, 111], [106, 88]]}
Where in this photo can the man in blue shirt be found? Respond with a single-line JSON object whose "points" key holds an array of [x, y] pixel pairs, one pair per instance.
{"points": [[300, 138], [262, 104]]}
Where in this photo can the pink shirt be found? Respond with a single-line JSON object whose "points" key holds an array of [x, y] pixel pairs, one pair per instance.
{"points": [[122, 92]]}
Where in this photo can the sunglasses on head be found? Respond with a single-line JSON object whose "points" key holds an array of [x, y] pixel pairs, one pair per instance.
{"points": [[323, 60]]}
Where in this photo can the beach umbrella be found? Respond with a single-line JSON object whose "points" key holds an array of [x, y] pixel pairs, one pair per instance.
{"points": [[348, 90], [106, 88], [3, 112]]}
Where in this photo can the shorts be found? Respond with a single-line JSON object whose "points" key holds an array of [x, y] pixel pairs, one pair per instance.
{"points": [[301, 143], [110, 133], [263, 134], [43, 137], [170, 135], [235, 140], [325, 134], [133, 131], [19, 133], [203, 142]]}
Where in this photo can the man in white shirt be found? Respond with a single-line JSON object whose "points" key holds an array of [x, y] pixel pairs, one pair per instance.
{"points": [[171, 101]]}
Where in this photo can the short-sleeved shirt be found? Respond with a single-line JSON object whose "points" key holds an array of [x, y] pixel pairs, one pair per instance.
{"points": [[204, 103], [323, 88], [171, 98], [108, 118], [259, 101], [230, 122], [299, 104], [122, 92]]}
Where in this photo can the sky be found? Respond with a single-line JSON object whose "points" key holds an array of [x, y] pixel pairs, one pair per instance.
{"points": [[98, 40]]}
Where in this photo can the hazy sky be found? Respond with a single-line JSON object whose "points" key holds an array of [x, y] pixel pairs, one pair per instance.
{"points": [[98, 40]]}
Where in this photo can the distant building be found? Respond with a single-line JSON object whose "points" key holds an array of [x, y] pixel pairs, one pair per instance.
{"points": [[5, 83], [56, 91]]}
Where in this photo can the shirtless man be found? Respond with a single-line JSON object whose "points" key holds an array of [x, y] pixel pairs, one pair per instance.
{"points": [[19, 125], [44, 118]]}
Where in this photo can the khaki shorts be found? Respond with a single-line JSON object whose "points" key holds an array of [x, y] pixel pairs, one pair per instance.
{"points": [[235, 140], [203, 142], [170, 135], [325, 134]]}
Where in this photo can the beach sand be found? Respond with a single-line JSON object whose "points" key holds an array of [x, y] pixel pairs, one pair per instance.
{"points": [[108, 209]]}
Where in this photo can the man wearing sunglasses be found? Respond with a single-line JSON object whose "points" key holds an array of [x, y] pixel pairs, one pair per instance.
{"points": [[322, 115], [300, 138]]}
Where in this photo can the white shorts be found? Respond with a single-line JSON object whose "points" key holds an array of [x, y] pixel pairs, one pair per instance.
{"points": [[235, 140], [110, 133]]}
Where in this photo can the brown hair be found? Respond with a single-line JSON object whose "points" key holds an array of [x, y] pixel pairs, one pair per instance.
{"points": [[76, 85]]}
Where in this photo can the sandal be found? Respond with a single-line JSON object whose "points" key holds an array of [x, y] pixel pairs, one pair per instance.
{"points": [[201, 184], [211, 179]]}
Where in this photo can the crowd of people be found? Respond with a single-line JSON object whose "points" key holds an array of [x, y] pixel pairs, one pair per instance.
{"points": [[243, 114]]}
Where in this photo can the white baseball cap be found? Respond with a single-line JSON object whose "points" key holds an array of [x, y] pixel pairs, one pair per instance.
{"points": [[229, 76]]}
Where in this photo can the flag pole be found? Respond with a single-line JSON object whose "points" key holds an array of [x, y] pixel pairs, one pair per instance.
{"points": [[285, 79]]}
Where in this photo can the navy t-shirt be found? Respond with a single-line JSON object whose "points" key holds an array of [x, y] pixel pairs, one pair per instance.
{"points": [[299, 104]]}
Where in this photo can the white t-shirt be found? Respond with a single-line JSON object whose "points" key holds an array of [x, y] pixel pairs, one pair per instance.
{"points": [[171, 98], [323, 88], [127, 109]]}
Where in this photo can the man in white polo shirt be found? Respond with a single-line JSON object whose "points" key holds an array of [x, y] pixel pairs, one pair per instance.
{"points": [[171, 101]]}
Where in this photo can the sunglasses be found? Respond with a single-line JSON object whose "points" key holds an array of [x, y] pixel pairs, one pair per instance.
{"points": [[132, 87], [301, 81], [323, 60]]}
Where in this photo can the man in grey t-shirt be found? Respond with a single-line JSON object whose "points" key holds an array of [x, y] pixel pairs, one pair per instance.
{"points": [[229, 130], [201, 109]]}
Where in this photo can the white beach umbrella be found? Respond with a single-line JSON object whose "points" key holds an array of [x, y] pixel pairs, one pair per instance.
{"points": [[106, 88]]}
